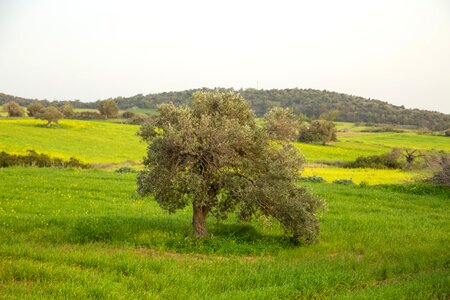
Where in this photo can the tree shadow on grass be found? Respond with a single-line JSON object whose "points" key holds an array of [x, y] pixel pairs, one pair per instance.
{"points": [[169, 234]]}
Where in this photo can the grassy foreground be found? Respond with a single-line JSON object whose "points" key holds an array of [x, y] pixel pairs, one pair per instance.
{"points": [[84, 234]]}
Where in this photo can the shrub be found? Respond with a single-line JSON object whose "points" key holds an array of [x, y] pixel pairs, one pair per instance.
{"points": [[34, 108], [442, 174], [125, 170], [313, 179], [383, 161], [13, 109], [128, 114], [343, 181], [34, 159], [318, 131], [88, 115], [138, 119], [67, 110]]}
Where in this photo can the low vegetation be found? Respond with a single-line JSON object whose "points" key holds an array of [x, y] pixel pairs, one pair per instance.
{"points": [[34, 159], [68, 233]]}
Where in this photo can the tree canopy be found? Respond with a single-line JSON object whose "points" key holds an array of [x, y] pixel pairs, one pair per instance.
{"points": [[108, 108], [213, 156], [13, 109], [51, 114]]}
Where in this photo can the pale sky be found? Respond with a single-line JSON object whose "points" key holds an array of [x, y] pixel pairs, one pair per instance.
{"points": [[396, 51]]}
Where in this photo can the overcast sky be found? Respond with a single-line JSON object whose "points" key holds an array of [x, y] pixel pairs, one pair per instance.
{"points": [[397, 50]]}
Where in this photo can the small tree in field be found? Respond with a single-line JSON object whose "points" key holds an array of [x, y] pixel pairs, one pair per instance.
{"points": [[51, 114], [318, 131], [13, 109], [67, 111], [281, 124], [213, 156], [34, 108], [108, 108]]}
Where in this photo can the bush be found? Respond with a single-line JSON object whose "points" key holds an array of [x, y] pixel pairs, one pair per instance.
{"points": [[34, 159], [384, 161], [138, 119], [125, 170], [343, 181], [88, 115], [442, 175], [318, 131], [13, 109], [313, 179], [128, 114]]}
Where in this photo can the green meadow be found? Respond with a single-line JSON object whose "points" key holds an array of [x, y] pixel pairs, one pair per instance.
{"points": [[90, 141], [79, 234]]}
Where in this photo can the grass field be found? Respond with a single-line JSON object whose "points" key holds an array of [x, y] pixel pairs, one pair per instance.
{"points": [[100, 141], [90, 141], [404, 139], [83, 234]]}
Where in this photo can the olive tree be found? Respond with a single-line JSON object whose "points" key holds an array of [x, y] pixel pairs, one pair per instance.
{"points": [[108, 108], [34, 108], [213, 156], [13, 109], [318, 131], [51, 114], [281, 123]]}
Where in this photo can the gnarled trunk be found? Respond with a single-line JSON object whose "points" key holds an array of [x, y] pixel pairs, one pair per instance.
{"points": [[199, 220]]}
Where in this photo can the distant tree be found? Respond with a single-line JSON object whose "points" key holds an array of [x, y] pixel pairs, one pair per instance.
{"points": [[51, 114], [213, 156], [34, 108], [138, 119], [128, 114], [108, 108], [67, 110], [442, 173], [281, 124], [447, 132], [318, 131], [13, 109], [330, 115]]}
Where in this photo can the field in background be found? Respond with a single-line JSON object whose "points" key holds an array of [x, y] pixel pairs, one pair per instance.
{"points": [[110, 143], [369, 176], [90, 141], [85, 234]]}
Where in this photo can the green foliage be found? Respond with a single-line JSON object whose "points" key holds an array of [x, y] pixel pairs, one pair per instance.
{"points": [[343, 181], [281, 124], [50, 114], [68, 233], [108, 108], [313, 178], [213, 155], [442, 174], [13, 109], [138, 119], [88, 115], [389, 160], [128, 114], [67, 110], [35, 108], [34, 159], [310, 102], [125, 170], [318, 131]]}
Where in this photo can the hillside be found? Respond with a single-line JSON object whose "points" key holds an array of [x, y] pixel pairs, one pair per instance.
{"points": [[307, 101]]}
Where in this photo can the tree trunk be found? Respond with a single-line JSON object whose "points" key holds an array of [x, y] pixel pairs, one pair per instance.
{"points": [[199, 221]]}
